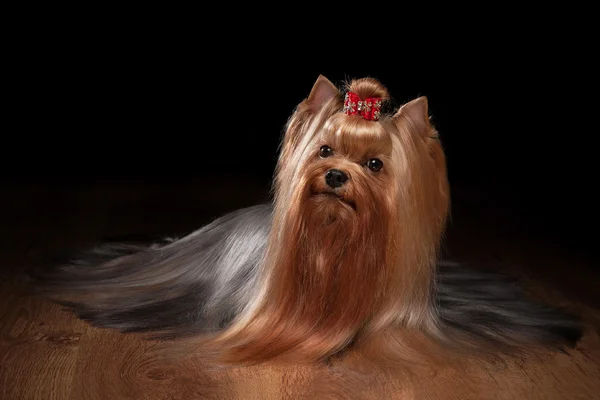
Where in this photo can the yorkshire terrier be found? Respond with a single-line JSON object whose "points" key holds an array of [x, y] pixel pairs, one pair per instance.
{"points": [[348, 248]]}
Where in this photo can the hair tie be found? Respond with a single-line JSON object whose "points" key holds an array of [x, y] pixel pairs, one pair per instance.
{"points": [[369, 109]]}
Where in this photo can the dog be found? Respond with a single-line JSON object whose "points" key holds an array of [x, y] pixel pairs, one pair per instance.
{"points": [[348, 249]]}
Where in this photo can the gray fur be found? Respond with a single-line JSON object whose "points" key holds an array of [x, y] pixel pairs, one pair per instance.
{"points": [[491, 307], [192, 285]]}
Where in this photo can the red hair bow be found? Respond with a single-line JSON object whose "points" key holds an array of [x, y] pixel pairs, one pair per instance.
{"points": [[369, 108]]}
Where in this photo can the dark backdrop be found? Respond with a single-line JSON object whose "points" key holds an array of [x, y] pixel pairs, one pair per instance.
{"points": [[520, 127]]}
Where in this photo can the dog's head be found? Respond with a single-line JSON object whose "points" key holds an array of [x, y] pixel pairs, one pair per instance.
{"points": [[345, 158]]}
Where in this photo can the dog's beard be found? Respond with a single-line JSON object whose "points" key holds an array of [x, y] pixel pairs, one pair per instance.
{"points": [[328, 278], [328, 232], [329, 208]]}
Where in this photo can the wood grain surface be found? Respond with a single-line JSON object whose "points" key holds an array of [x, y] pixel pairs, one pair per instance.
{"points": [[46, 353]]}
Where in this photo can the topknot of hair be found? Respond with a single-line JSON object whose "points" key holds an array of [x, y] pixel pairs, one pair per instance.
{"points": [[368, 87]]}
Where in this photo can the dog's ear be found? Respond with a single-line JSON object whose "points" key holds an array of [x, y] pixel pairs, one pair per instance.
{"points": [[322, 91], [416, 111]]}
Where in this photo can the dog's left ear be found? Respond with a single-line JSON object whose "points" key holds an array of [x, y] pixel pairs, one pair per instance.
{"points": [[322, 91], [417, 111]]}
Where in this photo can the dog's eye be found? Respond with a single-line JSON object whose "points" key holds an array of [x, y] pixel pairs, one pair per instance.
{"points": [[325, 151], [375, 164]]}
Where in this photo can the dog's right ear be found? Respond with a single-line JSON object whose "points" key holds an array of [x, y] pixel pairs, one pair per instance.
{"points": [[322, 91]]}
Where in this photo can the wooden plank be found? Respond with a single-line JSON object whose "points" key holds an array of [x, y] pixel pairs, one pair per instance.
{"points": [[39, 346]]}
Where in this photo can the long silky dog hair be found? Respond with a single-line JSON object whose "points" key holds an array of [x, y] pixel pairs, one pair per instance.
{"points": [[347, 249]]}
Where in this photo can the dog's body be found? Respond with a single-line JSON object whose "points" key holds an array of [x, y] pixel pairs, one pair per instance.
{"points": [[347, 249]]}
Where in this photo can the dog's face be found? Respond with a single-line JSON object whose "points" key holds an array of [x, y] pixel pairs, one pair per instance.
{"points": [[343, 166], [334, 167], [348, 169]]}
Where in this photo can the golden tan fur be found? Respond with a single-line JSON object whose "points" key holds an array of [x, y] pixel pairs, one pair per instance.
{"points": [[339, 268]]}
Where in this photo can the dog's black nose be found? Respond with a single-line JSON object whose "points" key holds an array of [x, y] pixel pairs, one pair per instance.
{"points": [[335, 178]]}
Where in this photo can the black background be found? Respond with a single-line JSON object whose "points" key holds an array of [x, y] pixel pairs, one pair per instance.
{"points": [[514, 121]]}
